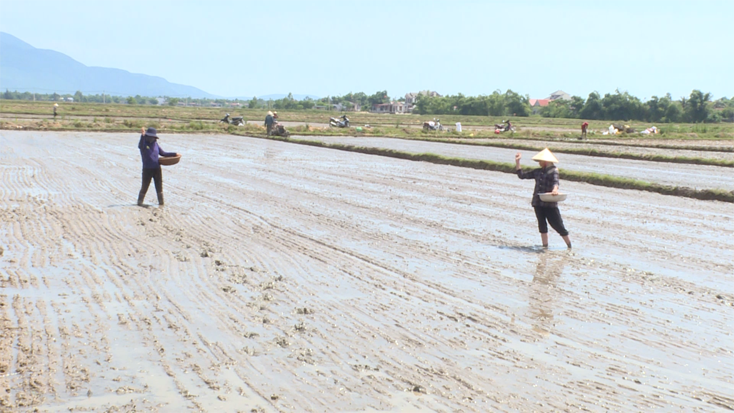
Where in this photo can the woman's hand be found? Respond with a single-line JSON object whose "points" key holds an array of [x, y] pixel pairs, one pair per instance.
{"points": [[555, 190], [518, 156]]}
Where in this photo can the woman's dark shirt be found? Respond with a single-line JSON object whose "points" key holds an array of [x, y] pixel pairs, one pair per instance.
{"points": [[545, 179]]}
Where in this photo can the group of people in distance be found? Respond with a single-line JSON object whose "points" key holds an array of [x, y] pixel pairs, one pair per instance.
{"points": [[546, 179]]}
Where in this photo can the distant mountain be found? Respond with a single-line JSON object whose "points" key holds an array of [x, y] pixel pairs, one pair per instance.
{"points": [[278, 96], [27, 69]]}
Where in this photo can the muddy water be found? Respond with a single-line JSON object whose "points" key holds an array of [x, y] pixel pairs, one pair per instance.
{"points": [[281, 277], [694, 176]]}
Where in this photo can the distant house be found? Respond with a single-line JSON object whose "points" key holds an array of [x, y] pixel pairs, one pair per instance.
{"points": [[392, 107], [69, 99], [559, 94], [234, 104], [536, 104], [353, 107], [333, 106], [411, 98]]}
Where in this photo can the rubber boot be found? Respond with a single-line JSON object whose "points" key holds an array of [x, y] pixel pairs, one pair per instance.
{"points": [[160, 198], [141, 198]]}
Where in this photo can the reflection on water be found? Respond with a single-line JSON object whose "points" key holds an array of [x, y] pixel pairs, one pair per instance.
{"points": [[535, 249], [543, 292]]}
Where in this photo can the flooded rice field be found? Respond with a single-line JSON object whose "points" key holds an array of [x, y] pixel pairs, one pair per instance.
{"points": [[674, 174], [283, 277]]}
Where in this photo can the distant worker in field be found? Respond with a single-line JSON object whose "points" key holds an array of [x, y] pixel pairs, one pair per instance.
{"points": [[584, 128], [149, 153], [269, 122], [56, 106], [546, 181]]}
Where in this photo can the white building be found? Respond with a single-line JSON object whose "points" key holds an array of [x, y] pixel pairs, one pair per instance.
{"points": [[559, 94], [392, 107], [411, 98]]}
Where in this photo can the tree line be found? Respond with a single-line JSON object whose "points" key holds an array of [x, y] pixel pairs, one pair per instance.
{"points": [[79, 97], [349, 100], [698, 107]]}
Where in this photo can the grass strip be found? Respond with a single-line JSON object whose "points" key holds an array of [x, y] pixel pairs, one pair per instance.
{"points": [[171, 119], [575, 151], [590, 178], [485, 138], [595, 152], [655, 146], [607, 143]]}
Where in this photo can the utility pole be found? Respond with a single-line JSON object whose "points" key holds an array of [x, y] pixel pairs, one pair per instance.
{"points": [[103, 97]]}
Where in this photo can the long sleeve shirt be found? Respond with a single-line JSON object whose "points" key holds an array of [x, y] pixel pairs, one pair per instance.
{"points": [[150, 151], [545, 180]]}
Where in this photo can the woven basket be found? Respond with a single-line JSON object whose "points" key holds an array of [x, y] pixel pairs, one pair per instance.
{"points": [[169, 160], [547, 197]]}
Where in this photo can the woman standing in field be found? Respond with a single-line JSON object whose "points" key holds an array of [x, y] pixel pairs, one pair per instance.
{"points": [[149, 152], [546, 180]]}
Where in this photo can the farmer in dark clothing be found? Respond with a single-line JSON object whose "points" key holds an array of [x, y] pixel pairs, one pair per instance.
{"points": [[56, 106], [546, 180], [269, 122], [149, 152]]}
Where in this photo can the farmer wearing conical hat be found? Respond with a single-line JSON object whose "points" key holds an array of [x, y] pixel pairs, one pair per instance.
{"points": [[150, 152], [269, 122], [546, 180]]}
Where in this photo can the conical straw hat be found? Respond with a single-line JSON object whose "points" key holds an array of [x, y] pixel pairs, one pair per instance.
{"points": [[545, 155]]}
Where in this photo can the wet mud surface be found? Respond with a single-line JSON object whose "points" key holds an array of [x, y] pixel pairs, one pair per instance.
{"points": [[282, 277], [693, 176]]}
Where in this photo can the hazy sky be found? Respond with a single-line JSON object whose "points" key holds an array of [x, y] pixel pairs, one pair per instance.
{"points": [[534, 47]]}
